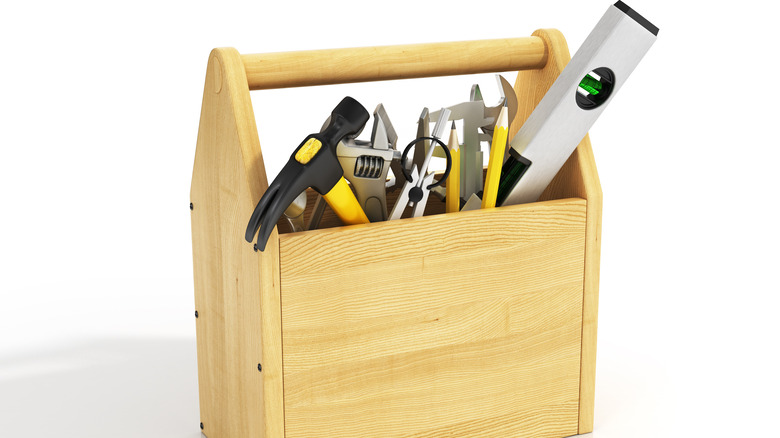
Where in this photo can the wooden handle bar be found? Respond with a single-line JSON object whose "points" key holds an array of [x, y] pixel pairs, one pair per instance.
{"points": [[364, 64]]}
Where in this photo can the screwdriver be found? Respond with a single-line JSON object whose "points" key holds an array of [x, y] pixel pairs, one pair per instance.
{"points": [[314, 164]]}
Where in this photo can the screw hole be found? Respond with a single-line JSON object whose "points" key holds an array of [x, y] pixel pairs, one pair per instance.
{"points": [[260, 367], [196, 314], [201, 426], [192, 207]]}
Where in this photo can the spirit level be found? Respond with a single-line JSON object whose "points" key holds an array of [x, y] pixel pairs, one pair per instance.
{"points": [[574, 102]]}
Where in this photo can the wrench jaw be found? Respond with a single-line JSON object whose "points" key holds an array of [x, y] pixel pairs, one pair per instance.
{"points": [[479, 122], [366, 169], [509, 98], [366, 165]]}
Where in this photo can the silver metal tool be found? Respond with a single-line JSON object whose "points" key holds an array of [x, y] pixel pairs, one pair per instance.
{"points": [[577, 98], [508, 99], [316, 213], [476, 116], [294, 213], [474, 203], [421, 150], [366, 165], [419, 182]]}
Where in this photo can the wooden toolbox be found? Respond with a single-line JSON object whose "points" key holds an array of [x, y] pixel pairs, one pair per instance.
{"points": [[486, 329]]}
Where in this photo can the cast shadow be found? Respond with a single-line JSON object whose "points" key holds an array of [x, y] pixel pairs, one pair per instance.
{"points": [[108, 388]]}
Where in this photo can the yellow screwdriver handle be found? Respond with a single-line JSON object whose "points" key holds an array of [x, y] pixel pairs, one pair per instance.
{"points": [[343, 202]]}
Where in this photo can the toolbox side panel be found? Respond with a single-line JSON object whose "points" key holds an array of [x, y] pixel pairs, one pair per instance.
{"points": [[235, 287], [578, 178], [464, 324]]}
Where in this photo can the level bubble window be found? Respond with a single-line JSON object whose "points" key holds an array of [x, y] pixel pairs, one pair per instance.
{"points": [[595, 88]]}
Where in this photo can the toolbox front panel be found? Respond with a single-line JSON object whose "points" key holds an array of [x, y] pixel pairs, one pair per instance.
{"points": [[464, 324]]}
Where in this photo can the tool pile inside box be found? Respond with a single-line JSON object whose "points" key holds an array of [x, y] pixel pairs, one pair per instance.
{"points": [[326, 160]]}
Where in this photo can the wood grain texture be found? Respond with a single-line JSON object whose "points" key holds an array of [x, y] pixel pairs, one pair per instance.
{"points": [[531, 85], [440, 326], [577, 178], [590, 304], [436, 326], [361, 64], [235, 326], [330, 220]]}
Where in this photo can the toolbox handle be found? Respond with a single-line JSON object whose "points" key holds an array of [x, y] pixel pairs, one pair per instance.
{"points": [[364, 64]]}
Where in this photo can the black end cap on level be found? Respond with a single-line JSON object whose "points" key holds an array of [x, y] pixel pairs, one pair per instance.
{"points": [[636, 17]]}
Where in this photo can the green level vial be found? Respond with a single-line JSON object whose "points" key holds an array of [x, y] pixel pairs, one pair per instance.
{"points": [[595, 88], [591, 84]]}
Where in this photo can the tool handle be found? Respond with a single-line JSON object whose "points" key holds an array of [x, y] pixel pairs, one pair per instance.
{"points": [[365, 64], [345, 205]]}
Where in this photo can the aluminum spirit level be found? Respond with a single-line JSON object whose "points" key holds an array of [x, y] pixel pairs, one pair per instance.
{"points": [[574, 102]]}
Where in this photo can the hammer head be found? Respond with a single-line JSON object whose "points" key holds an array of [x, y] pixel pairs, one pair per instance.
{"points": [[313, 164]]}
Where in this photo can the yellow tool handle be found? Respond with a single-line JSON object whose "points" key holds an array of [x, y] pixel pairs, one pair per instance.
{"points": [[453, 183], [345, 205], [493, 176]]}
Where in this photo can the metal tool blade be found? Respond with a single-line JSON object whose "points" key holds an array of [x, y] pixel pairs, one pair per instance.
{"points": [[294, 213]]}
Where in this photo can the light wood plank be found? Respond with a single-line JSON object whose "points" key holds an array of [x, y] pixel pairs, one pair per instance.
{"points": [[271, 320], [491, 386], [578, 178], [361, 64], [235, 329], [428, 326], [425, 236]]}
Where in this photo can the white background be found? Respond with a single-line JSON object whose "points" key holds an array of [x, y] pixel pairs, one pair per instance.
{"points": [[99, 114]]}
